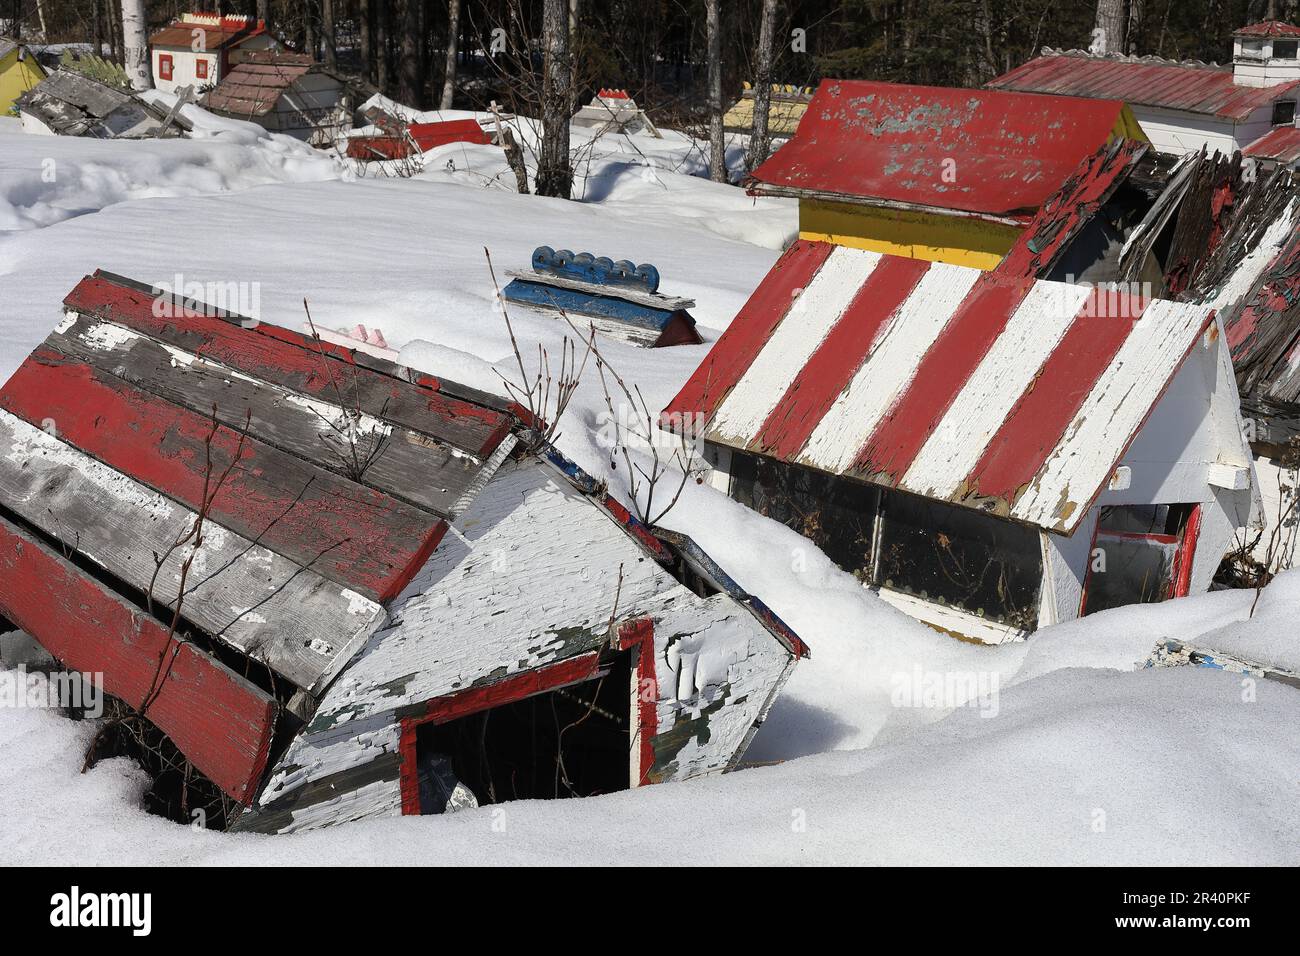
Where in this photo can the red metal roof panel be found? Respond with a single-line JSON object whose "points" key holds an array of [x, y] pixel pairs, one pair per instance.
{"points": [[1192, 88], [973, 151], [1281, 144], [1269, 28]]}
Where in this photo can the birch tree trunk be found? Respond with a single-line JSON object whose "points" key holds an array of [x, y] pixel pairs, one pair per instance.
{"points": [[40, 16], [453, 36], [717, 145], [327, 28], [554, 174], [1109, 29], [759, 139], [135, 45]]}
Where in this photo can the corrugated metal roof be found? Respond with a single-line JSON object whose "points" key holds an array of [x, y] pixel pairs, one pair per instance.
{"points": [[1269, 28], [974, 151], [997, 392], [1192, 88], [7, 46], [1281, 144], [252, 88]]}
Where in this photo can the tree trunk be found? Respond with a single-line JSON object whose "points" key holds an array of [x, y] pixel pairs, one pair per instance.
{"points": [[554, 174], [383, 22], [453, 34], [759, 140], [717, 144], [410, 85], [97, 26], [327, 28], [311, 36], [367, 40], [264, 11], [114, 23], [1110, 27], [40, 16], [135, 43]]}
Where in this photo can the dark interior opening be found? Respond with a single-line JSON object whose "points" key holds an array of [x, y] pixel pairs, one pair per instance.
{"points": [[575, 741]]}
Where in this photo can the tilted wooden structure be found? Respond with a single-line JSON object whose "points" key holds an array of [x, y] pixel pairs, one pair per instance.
{"points": [[381, 552]]}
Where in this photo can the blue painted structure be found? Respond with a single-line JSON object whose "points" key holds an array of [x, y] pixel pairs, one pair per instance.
{"points": [[622, 295]]}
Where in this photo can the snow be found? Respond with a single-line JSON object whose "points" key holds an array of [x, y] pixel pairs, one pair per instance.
{"points": [[1062, 749]]}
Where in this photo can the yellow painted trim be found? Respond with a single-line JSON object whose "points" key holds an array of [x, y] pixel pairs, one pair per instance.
{"points": [[1127, 126], [16, 78], [959, 240]]}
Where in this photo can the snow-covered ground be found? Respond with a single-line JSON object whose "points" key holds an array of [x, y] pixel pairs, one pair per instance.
{"points": [[1076, 756]]}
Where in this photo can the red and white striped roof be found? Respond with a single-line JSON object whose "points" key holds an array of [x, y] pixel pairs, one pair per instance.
{"points": [[998, 392]]}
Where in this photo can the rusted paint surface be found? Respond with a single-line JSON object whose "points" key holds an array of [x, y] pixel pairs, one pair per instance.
{"points": [[978, 152], [1208, 90], [1281, 144]]}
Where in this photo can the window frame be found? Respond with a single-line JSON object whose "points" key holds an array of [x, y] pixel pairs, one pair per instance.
{"points": [[166, 66]]}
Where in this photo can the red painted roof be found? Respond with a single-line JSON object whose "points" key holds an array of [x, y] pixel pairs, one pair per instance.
{"points": [[982, 389], [1281, 144], [229, 31], [976, 151], [1192, 88], [253, 87], [1269, 28]]}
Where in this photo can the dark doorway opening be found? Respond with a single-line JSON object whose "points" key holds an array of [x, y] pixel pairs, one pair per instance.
{"points": [[574, 741]]}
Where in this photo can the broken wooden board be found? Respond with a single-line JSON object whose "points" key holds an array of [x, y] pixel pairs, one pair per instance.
{"points": [[262, 604], [292, 361], [220, 721], [410, 466]]}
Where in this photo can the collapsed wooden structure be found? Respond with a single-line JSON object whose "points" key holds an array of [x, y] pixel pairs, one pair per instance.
{"points": [[347, 589], [615, 111], [620, 299], [71, 103], [287, 93]]}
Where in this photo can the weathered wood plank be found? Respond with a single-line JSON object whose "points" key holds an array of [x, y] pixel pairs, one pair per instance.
{"points": [[219, 720], [353, 535], [409, 466], [290, 618], [277, 356]]}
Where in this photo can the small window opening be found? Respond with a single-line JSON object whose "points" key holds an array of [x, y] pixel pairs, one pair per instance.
{"points": [[945, 554], [1284, 49], [1135, 559], [1284, 113], [575, 741], [164, 66]]}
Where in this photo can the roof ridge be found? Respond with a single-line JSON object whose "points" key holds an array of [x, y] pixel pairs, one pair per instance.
{"points": [[1149, 59]]}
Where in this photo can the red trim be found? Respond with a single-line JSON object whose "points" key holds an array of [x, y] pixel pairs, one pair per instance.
{"points": [[1141, 536], [1182, 583], [220, 721], [165, 66], [201, 68], [474, 699], [639, 634]]}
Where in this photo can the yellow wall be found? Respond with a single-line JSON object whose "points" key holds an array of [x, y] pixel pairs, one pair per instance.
{"points": [[959, 240], [17, 77]]}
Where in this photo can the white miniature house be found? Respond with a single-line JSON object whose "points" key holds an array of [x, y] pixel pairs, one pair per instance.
{"points": [[989, 453]]}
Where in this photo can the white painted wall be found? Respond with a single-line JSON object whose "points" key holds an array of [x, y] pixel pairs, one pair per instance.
{"points": [[185, 62]]}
